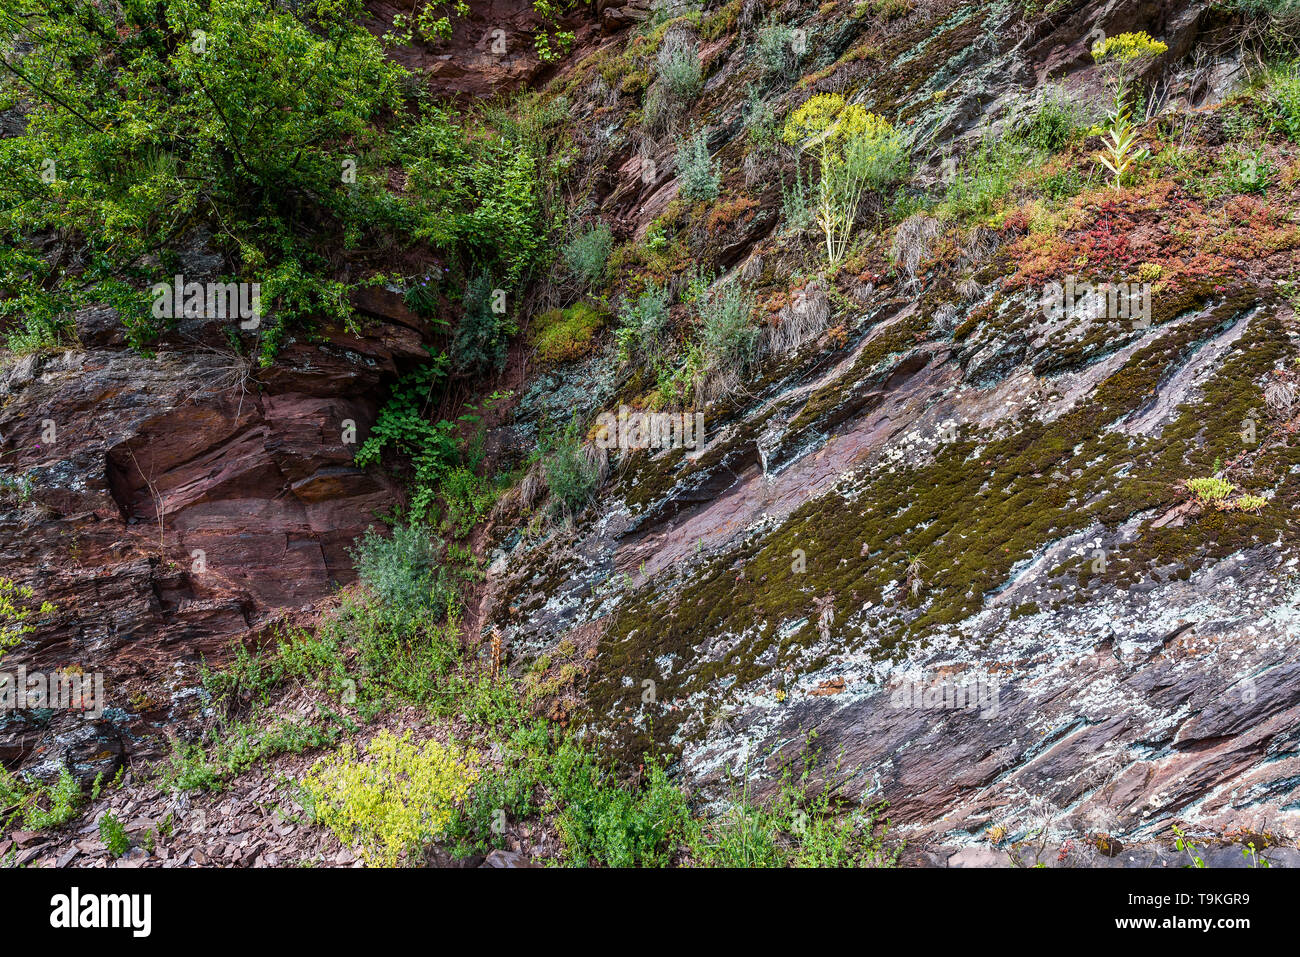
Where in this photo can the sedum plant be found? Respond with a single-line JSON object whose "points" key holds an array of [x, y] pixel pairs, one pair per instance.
{"points": [[397, 800], [1211, 491]]}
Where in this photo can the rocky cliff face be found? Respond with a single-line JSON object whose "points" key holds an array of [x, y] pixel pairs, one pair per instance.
{"points": [[171, 503], [949, 494]]}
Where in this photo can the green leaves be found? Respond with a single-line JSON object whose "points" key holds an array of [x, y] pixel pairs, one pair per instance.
{"points": [[1118, 154], [146, 120], [404, 426]]}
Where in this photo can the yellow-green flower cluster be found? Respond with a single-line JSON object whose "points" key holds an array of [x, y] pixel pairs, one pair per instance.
{"points": [[1127, 47], [827, 116], [397, 800]]}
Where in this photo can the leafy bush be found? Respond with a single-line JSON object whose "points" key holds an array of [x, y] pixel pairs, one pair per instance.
{"points": [[985, 176], [603, 823], [510, 786], [397, 800], [794, 829], [468, 499], [476, 191], [113, 834], [728, 340], [562, 335], [250, 126], [404, 426], [234, 748], [679, 67], [1247, 171], [239, 129], [696, 170], [643, 326], [1056, 121], [777, 53], [38, 806], [570, 475], [1284, 99], [481, 337], [587, 254]]}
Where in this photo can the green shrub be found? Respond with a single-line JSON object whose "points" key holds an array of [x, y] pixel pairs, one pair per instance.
{"points": [[562, 335], [587, 254], [794, 828], [571, 476], [511, 786], [1062, 184], [798, 202], [777, 54], [986, 176], [38, 806], [762, 131], [421, 297], [403, 425], [468, 499], [113, 834], [407, 654], [697, 172], [159, 136], [1247, 171], [1284, 99], [643, 326], [1054, 123], [404, 569], [728, 340], [601, 822], [679, 68], [234, 748], [482, 335]]}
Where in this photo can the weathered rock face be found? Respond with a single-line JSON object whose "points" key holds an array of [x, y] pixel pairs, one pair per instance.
{"points": [[169, 504], [935, 527], [950, 541], [491, 50]]}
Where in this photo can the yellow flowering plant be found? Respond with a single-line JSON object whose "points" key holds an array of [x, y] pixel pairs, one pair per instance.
{"points": [[1118, 56], [855, 151]]}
